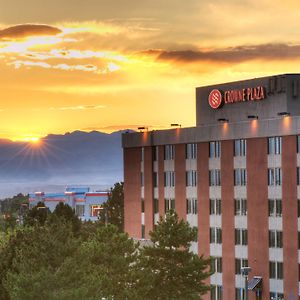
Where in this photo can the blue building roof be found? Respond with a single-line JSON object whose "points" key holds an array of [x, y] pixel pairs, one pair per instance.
{"points": [[78, 190]]}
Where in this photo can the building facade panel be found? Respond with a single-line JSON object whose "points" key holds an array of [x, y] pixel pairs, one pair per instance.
{"points": [[132, 192], [257, 206], [149, 190], [290, 216], [203, 202], [180, 181], [227, 192]]}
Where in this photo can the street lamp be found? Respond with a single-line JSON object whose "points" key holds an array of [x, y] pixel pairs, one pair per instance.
{"points": [[245, 272]]}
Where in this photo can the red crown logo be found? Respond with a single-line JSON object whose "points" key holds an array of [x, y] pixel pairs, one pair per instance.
{"points": [[215, 99]]}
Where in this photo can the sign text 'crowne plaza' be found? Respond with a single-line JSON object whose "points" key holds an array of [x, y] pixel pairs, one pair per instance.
{"points": [[216, 98]]}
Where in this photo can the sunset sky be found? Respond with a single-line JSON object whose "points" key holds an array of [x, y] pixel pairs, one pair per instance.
{"points": [[106, 65]]}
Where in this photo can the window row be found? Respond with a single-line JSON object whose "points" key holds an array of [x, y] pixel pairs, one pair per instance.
{"points": [[240, 149], [240, 177], [215, 207]]}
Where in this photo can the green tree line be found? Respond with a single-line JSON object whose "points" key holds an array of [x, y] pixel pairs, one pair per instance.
{"points": [[56, 256]]}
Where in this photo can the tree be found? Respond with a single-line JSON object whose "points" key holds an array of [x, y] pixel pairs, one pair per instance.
{"points": [[102, 268], [31, 259], [37, 215], [49, 262], [113, 208], [65, 212], [168, 269]]}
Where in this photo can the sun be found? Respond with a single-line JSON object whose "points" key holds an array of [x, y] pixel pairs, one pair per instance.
{"points": [[33, 140]]}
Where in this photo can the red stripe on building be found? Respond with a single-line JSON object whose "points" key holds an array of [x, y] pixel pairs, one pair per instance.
{"points": [[132, 192], [148, 190], [257, 202], [180, 181]]}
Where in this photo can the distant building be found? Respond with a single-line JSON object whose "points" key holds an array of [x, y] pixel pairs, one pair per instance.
{"points": [[86, 204]]}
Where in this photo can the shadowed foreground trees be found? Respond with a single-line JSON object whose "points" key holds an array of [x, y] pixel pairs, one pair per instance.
{"points": [[51, 261], [172, 271]]}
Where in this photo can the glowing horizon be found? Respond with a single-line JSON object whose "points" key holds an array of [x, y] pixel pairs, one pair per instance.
{"points": [[134, 64]]}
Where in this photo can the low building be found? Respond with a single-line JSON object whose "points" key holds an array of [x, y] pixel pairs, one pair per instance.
{"points": [[87, 204]]}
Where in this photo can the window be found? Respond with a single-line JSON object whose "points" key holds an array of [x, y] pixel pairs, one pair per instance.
{"points": [[240, 177], [240, 207], [215, 177], [143, 231], [276, 269], [275, 208], [143, 154], [143, 205], [274, 145], [191, 151], [142, 179], [215, 235], [169, 152], [275, 239], [95, 210], [155, 153], [239, 294], [241, 236], [239, 264], [79, 210], [191, 178], [216, 265], [169, 178], [216, 292], [155, 179], [214, 149], [215, 206], [155, 205], [298, 176], [276, 296], [192, 206], [274, 176], [169, 204], [240, 147]]}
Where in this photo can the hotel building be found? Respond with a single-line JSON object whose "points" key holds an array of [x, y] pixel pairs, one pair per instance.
{"points": [[235, 176]]}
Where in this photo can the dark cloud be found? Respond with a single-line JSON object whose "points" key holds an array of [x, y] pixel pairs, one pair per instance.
{"points": [[231, 55], [24, 30]]}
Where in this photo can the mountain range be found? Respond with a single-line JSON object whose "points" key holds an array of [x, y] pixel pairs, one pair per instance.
{"points": [[78, 158]]}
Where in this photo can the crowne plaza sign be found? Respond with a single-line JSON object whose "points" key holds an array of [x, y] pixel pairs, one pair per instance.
{"points": [[217, 98]]}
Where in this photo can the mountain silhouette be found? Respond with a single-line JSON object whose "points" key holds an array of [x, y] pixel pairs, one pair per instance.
{"points": [[82, 158]]}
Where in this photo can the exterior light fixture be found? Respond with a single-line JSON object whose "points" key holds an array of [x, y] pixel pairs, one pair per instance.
{"points": [[175, 125], [252, 117], [142, 128], [283, 114], [223, 120]]}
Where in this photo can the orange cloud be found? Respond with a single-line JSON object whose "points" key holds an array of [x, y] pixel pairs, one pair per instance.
{"points": [[230, 55], [26, 30]]}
